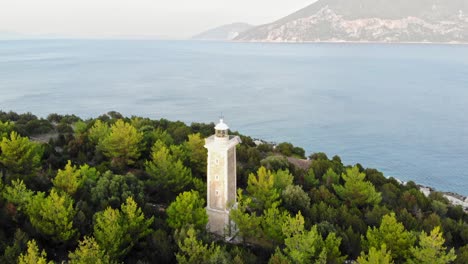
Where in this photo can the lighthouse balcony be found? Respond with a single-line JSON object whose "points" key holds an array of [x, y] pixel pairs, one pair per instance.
{"points": [[228, 139]]}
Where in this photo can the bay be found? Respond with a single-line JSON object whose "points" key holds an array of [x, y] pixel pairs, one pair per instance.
{"points": [[402, 109]]}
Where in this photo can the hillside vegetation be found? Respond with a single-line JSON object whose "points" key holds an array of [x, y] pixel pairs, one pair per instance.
{"points": [[132, 190]]}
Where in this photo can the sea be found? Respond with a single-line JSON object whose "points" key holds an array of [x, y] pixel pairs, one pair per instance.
{"points": [[402, 109]]}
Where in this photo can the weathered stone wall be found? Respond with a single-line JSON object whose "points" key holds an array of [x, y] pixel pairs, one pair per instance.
{"points": [[231, 195], [216, 180]]}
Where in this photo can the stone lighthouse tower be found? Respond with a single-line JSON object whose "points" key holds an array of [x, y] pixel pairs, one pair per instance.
{"points": [[221, 178]]}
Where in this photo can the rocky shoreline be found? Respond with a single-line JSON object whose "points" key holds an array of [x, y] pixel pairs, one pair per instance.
{"points": [[454, 198]]}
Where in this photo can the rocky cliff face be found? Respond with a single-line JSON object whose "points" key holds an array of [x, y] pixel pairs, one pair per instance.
{"points": [[369, 20]]}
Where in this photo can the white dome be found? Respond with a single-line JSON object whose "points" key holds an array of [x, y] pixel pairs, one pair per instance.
{"points": [[221, 125]]}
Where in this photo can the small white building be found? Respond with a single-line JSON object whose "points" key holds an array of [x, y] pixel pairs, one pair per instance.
{"points": [[221, 179]]}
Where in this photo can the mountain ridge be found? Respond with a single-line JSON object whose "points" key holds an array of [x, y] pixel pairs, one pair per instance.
{"points": [[224, 32], [369, 21]]}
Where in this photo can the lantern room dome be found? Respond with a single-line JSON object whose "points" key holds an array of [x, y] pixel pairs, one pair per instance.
{"points": [[221, 125]]}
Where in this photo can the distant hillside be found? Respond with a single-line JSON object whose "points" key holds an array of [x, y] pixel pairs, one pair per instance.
{"points": [[369, 20], [226, 32], [7, 35]]}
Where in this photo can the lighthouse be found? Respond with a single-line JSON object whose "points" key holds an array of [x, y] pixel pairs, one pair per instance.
{"points": [[221, 179]]}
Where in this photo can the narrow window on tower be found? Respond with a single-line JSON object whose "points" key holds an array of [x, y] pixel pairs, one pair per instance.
{"points": [[217, 177], [217, 193], [217, 161]]}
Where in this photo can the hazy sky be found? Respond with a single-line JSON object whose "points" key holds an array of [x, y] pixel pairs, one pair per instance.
{"points": [[164, 18]]}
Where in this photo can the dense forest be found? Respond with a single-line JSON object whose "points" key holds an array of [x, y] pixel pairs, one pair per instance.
{"points": [[132, 190]]}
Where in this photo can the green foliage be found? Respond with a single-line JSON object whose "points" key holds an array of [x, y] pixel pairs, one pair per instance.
{"points": [[462, 255], [310, 180], [113, 190], [33, 256], [285, 149], [318, 156], [320, 164], [6, 128], [80, 127], [392, 234], [275, 163], [338, 212], [308, 246], [64, 128], [439, 207], [165, 171], [282, 179], [163, 136], [376, 256], [414, 200], [109, 231], [19, 155], [295, 199], [179, 131], [248, 224], [117, 231], [265, 228], [159, 248], [98, 132], [179, 153], [431, 248], [18, 245], [261, 188], [18, 194], [53, 215], [271, 224], [356, 191], [122, 145], [136, 225], [431, 221], [33, 126], [187, 210], [69, 180], [193, 251], [331, 177], [288, 150], [88, 251], [197, 154], [89, 173], [374, 216], [279, 258]]}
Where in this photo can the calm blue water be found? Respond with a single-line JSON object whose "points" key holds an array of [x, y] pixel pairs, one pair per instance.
{"points": [[400, 108]]}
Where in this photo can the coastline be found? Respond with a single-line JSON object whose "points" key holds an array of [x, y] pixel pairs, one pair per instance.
{"points": [[454, 199], [350, 42]]}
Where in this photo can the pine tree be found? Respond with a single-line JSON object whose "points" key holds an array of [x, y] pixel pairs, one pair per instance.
{"points": [[431, 249], [197, 154], [5, 129], [356, 191], [122, 145], [261, 188], [193, 251], [19, 156], [33, 256], [88, 251], [187, 210], [98, 132], [392, 234], [166, 171], [376, 256], [69, 179], [117, 231], [53, 215]]}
